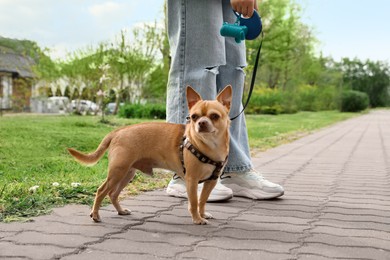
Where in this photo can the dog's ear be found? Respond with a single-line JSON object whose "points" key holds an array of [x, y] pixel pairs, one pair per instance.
{"points": [[225, 96], [192, 97]]}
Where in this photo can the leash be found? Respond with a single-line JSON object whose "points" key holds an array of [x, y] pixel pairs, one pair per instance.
{"points": [[253, 77]]}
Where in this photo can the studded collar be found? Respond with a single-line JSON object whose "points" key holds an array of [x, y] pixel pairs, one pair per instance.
{"points": [[201, 157]]}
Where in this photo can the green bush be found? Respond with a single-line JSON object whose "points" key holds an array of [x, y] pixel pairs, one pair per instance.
{"points": [[269, 101], [354, 101], [302, 98], [152, 111], [314, 98]]}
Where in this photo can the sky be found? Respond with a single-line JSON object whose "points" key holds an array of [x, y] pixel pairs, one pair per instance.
{"points": [[345, 28]]}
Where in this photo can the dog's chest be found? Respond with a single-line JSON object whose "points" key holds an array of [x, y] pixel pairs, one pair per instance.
{"points": [[205, 171]]}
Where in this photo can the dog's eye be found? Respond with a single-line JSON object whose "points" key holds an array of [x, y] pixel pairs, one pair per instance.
{"points": [[194, 117], [214, 117]]}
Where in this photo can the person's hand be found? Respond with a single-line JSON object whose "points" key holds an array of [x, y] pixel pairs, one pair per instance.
{"points": [[244, 7]]}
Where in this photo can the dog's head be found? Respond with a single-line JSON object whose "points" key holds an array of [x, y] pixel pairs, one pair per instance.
{"points": [[209, 117]]}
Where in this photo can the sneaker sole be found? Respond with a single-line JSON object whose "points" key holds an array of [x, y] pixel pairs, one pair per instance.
{"points": [[212, 198], [259, 195]]}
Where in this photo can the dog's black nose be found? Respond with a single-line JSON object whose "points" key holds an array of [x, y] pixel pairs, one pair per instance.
{"points": [[203, 126]]}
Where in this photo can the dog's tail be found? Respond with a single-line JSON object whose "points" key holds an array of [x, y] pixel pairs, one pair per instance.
{"points": [[92, 158]]}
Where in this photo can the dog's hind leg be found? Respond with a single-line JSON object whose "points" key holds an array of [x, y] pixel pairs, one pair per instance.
{"points": [[114, 194], [117, 171], [100, 194]]}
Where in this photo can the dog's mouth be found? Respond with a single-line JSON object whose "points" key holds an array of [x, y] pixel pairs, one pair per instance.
{"points": [[203, 129], [206, 131]]}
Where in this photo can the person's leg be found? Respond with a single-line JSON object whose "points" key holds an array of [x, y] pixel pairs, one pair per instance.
{"points": [[233, 74], [195, 50], [239, 174], [196, 56]]}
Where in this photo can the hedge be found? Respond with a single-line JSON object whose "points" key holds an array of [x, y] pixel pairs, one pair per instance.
{"points": [[152, 111], [354, 101]]}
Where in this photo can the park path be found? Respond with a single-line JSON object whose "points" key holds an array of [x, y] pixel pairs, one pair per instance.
{"points": [[336, 206]]}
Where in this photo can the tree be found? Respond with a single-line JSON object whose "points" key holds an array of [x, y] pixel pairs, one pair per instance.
{"points": [[370, 77], [288, 44]]}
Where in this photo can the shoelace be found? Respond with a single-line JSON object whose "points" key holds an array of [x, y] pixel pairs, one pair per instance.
{"points": [[256, 176], [224, 177], [175, 177], [251, 174]]}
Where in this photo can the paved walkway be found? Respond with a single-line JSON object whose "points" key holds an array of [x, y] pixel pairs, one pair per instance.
{"points": [[336, 206]]}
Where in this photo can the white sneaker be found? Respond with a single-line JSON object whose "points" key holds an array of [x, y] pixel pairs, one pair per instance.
{"points": [[177, 188], [251, 185]]}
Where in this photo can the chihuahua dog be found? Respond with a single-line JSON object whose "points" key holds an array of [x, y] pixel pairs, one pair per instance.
{"points": [[197, 152]]}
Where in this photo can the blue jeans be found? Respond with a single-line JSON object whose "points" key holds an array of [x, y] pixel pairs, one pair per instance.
{"points": [[205, 60]]}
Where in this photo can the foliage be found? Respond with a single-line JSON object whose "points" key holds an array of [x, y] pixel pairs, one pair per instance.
{"points": [[155, 88], [354, 101], [303, 98], [314, 98], [370, 77], [289, 62], [288, 44], [120, 69], [22, 47], [151, 111]]}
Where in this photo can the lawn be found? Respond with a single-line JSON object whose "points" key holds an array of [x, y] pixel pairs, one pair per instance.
{"points": [[33, 153], [267, 131]]}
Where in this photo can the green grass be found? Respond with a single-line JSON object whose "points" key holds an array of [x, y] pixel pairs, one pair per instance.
{"points": [[33, 152], [267, 131]]}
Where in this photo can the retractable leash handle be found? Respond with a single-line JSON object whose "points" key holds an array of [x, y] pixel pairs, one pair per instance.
{"points": [[249, 29], [244, 28]]}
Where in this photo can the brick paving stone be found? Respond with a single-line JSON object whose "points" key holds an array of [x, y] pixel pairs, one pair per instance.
{"points": [[259, 235], [186, 227], [347, 252], [208, 253], [10, 250], [266, 226], [103, 255], [250, 216], [245, 244], [357, 218], [351, 232], [336, 206], [286, 213], [346, 241], [385, 227], [34, 237], [170, 238], [158, 249]]}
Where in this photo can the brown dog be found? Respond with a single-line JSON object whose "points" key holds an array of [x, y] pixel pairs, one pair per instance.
{"points": [[199, 156]]}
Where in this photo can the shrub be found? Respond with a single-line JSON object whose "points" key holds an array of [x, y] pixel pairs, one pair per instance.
{"points": [[354, 101], [270, 101], [314, 98], [302, 98], [307, 98], [152, 111]]}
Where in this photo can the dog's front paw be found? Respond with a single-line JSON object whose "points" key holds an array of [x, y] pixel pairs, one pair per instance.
{"points": [[95, 217], [207, 215], [124, 212], [200, 221]]}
